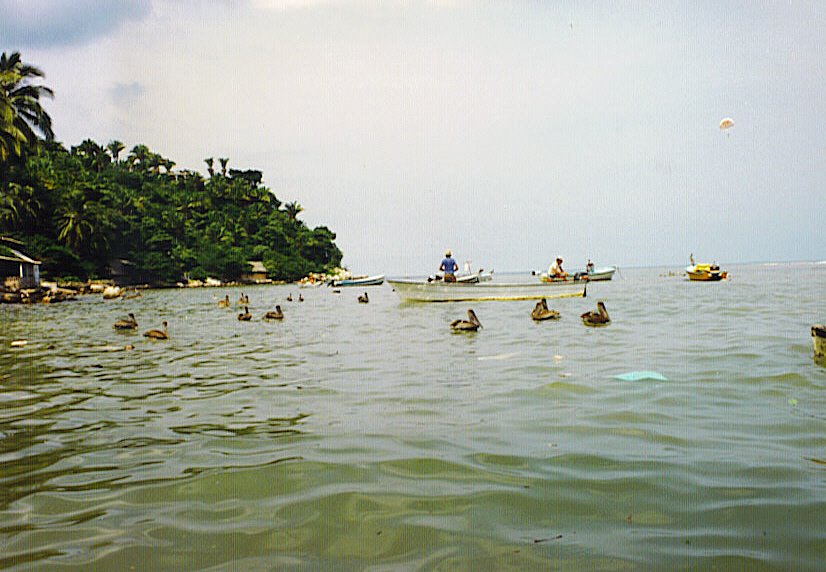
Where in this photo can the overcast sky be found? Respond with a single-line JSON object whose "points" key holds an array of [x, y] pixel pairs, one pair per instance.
{"points": [[509, 132]]}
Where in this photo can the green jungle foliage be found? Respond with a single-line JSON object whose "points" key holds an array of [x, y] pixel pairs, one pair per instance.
{"points": [[79, 210]]}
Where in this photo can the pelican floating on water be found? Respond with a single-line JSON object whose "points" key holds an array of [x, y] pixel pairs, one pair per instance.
{"points": [[158, 334], [245, 316], [364, 299], [598, 318], [276, 315], [470, 325], [541, 311], [128, 324]]}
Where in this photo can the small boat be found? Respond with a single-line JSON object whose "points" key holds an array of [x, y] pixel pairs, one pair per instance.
{"points": [[819, 340], [377, 280], [468, 276], [705, 273], [578, 277], [604, 273], [439, 291], [480, 276]]}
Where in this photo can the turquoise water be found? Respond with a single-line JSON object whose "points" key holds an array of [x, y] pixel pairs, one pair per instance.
{"points": [[370, 437]]}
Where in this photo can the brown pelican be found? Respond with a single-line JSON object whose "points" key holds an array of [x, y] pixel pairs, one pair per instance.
{"points": [[128, 324], [598, 318], [364, 299], [224, 303], [245, 316], [277, 315], [541, 311], [135, 294], [158, 334], [470, 325]]}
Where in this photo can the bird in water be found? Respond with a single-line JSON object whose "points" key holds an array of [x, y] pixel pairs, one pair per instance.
{"points": [[598, 318], [243, 300], [128, 324], [245, 316], [135, 294], [363, 299], [541, 311], [224, 303], [276, 315], [300, 297], [158, 334], [470, 325], [290, 297]]}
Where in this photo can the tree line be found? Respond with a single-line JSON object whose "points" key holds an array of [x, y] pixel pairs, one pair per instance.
{"points": [[80, 208]]}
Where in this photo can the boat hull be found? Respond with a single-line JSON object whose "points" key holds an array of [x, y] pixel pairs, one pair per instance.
{"points": [[700, 274], [602, 274], [367, 281], [420, 291]]}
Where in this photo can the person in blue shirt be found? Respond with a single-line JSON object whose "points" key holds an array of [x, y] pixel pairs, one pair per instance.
{"points": [[449, 267]]}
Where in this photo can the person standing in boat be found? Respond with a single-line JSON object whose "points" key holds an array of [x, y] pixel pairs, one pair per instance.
{"points": [[556, 271], [449, 267]]}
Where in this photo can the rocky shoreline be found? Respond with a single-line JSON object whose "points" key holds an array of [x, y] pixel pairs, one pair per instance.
{"points": [[55, 292]]}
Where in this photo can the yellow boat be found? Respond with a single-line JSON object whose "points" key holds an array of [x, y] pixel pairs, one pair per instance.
{"points": [[704, 272]]}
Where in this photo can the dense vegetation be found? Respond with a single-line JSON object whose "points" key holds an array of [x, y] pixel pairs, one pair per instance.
{"points": [[81, 208]]}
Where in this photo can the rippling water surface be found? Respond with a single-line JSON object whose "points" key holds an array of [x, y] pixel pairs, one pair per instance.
{"points": [[370, 437]]}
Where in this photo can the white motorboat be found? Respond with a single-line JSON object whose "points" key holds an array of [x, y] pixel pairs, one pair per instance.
{"points": [[439, 291]]}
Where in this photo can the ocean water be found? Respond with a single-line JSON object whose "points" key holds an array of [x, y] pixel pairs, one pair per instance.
{"points": [[370, 437]]}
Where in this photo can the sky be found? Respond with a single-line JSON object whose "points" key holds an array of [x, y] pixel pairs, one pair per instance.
{"points": [[509, 132]]}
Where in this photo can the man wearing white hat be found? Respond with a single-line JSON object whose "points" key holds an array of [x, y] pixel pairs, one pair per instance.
{"points": [[556, 271], [449, 267]]}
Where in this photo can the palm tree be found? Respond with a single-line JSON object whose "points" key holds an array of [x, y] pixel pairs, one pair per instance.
{"points": [[292, 209], [210, 162], [21, 115], [224, 161], [9, 214], [94, 156], [141, 157], [19, 206], [73, 228], [115, 147]]}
